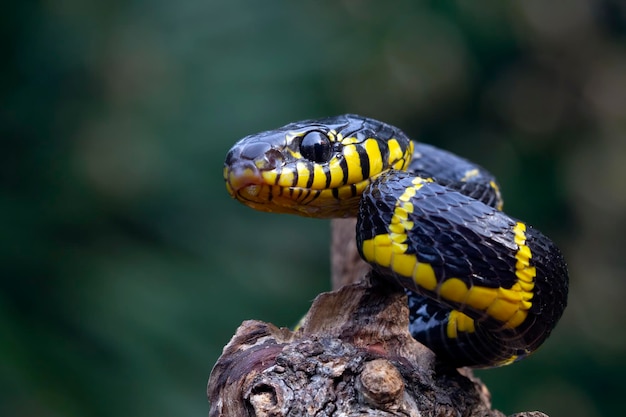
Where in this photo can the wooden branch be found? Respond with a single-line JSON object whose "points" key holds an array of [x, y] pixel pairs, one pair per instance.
{"points": [[352, 356], [346, 264]]}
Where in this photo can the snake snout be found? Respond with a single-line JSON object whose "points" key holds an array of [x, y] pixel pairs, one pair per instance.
{"points": [[242, 174], [245, 164]]}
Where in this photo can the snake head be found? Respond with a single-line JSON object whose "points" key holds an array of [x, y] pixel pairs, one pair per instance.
{"points": [[314, 168]]}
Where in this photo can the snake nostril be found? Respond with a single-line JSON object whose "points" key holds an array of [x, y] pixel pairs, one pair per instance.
{"points": [[273, 157]]}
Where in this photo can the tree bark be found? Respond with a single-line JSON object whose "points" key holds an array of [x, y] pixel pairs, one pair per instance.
{"points": [[352, 356]]}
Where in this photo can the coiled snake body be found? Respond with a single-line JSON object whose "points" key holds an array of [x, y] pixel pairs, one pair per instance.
{"points": [[484, 289]]}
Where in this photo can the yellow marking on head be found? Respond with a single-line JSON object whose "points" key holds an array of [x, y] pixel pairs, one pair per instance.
{"points": [[373, 154], [336, 173], [326, 195], [459, 322], [270, 176], [333, 136], [355, 171], [345, 193], [303, 174], [349, 140], [295, 154], [319, 177]]}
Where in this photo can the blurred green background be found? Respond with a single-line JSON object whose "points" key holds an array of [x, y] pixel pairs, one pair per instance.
{"points": [[125, 266]]}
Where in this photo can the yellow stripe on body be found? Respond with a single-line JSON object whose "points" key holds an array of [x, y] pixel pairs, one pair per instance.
{"points": [[507, 305], [509, 360], [459, 322], [397, 158], [496, 189], [470, 174], [389, 250]]}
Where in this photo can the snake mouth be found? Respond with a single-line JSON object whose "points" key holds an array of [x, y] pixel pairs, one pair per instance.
{"points": [[245, 183], [244, 177]]}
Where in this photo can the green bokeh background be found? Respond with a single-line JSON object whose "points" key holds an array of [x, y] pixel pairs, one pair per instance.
{"points": [[125, 267]]}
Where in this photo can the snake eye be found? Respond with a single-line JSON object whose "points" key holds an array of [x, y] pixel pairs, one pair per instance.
{"points": [[315, 147]]}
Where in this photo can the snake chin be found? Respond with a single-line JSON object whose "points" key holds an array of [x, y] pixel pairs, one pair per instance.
{"points": [[251, 191]]}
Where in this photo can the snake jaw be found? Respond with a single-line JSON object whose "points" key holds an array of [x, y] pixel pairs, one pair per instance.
{"points": [[244, 169], [240, 176], [315, 168]]}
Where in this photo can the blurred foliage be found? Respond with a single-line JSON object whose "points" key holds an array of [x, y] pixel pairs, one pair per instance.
{"points": [[126, 267]]}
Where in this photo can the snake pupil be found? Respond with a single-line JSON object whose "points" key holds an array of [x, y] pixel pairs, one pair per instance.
{"points": [[315, 147]]}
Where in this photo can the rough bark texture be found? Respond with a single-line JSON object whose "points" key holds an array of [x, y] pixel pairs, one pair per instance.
{"points": [[347, 267], [352, 356]]}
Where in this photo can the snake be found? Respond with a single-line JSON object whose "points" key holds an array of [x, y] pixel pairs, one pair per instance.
{"points": [[484, 289]]}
